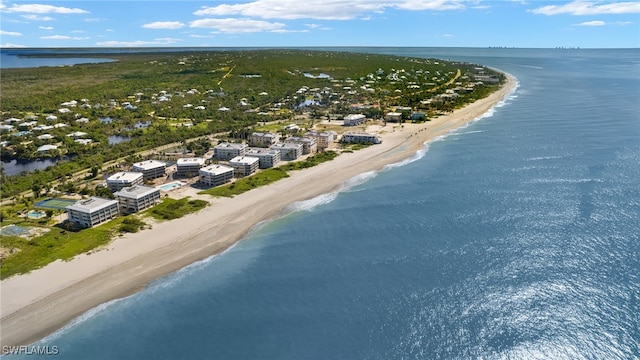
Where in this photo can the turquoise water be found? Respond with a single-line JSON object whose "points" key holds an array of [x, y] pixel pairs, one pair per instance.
{"points": [[170, 186], [513, 238]]}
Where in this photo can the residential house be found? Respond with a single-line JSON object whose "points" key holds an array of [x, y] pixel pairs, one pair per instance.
{"points": [[354, 119]]}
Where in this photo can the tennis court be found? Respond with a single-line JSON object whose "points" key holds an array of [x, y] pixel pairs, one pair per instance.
{"points": [[55, 203]]}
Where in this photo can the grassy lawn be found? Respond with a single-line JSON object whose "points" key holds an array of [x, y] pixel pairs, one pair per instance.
{"points": [[311, 161], [264, 177]]}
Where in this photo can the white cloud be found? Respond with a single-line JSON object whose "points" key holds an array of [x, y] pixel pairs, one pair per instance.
{"points": [[232, 25], [37, 18], [43, 9], [592, 23], [581, 7], [45, 27], [63, 37], [322, 9], [163, 25], [160, 41], [10, 33], [10, 45]]}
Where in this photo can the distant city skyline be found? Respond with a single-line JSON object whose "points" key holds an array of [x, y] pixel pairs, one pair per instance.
{"points": [[283, 23]]}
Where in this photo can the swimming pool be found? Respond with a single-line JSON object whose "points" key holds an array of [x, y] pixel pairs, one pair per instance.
{"points": [[35, 214], [171, 186]]}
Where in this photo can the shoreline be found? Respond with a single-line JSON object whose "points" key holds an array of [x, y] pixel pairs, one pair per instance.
{"points": [[39, 303]]}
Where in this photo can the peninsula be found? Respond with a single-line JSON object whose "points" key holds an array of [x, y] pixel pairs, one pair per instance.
{"points": [[43, 300]]}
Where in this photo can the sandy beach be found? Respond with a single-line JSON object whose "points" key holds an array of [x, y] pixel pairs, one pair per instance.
{"points": [[36, 304]]}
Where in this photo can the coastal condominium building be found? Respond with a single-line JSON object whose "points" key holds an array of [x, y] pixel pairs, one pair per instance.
{"points": [[150, 169], [309, 144], [226, 151], [189, 166], [288, 151], [353, 120], [361, 138], [267, 157], [214, 175], [244, 165], [136, 198], [323, 139], [92, 211], [124, 179], [263, 139]]}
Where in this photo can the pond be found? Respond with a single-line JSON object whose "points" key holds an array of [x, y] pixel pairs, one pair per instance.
{"points": [[117, 139], [15, 167]]}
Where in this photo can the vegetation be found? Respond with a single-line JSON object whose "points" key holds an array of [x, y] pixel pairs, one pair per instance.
{"points": [[56, 244], [240, 186], [131, 224], [155, 99], [173, 209], [311, 161]]}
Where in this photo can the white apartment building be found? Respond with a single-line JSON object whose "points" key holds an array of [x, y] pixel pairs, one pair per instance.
{"points": [[150, 169], [226, 151], [92, 211], [137, 198], [361, 138], [324, 138], [214, 175], [189, 166], [244, 165], [124, 179], [288, 151], [309, 144], [354, 119], [263, 139], [267, 157]]}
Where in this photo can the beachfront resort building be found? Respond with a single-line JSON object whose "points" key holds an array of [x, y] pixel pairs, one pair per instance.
{"points": [[124, 179], [354, 119], [288, 151], [189, 166], [323, 139], [267, 157], [361, 138], [136, 198], [244, 165], [263, 139], [214, 175], [92, 211], [308, 143], [226, 151], [150, 169]]}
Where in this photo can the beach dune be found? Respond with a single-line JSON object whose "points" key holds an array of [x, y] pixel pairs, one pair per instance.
{"points": [[36, 304]]}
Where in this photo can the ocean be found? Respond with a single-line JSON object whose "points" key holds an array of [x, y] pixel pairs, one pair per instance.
{"points": [[515, 237]]}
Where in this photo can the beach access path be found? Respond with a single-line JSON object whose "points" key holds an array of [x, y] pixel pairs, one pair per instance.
{"points": [[36, 304]]}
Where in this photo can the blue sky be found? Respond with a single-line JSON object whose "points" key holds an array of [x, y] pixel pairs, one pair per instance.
{"points": [[276, 23]]}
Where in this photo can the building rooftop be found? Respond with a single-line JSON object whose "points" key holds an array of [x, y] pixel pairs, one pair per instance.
{"points": [[226, 145], [190, 161], [124, 176], [91, 204], [289, 145], [149, 164], [244, 160], [216, 169], [261, 151], [136, 191]]}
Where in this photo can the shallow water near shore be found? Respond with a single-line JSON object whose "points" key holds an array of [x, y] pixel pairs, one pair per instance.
{"points": [[514, 237]]}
